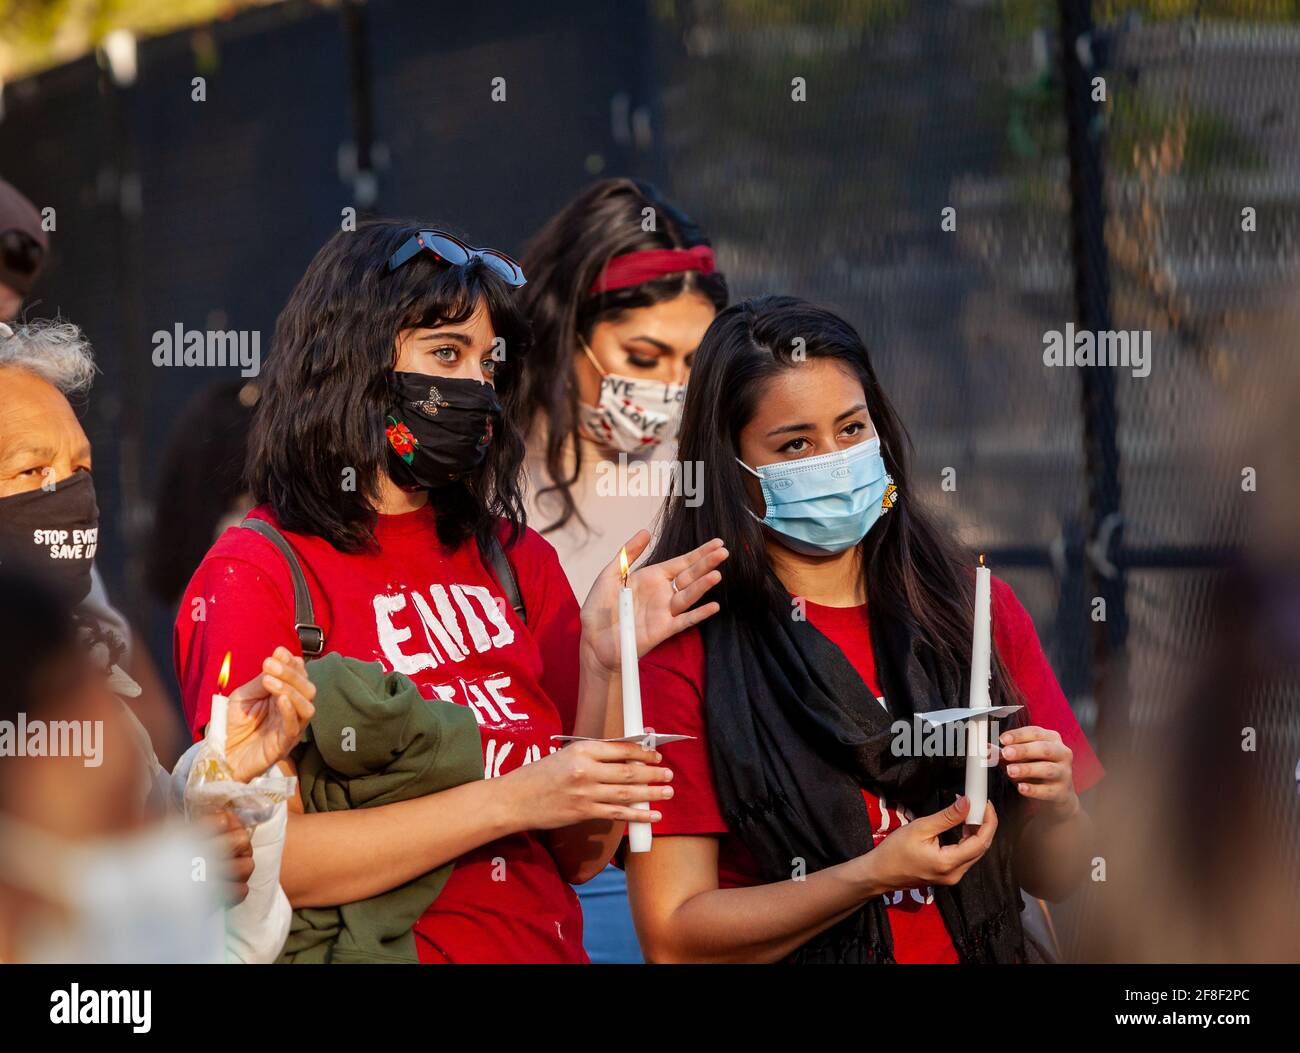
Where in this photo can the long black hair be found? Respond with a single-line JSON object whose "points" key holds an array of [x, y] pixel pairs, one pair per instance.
{"points": [[912, 569], [608, 219], [328, 385]]}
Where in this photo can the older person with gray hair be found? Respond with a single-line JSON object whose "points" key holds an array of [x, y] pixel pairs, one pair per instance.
{"points": [[49, 519], [47, 499]]}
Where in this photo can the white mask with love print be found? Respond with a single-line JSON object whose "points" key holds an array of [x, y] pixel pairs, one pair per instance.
{"points": [[631, 413]]}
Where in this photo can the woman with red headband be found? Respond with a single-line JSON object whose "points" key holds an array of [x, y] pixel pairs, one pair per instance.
{"points": [[621, 288]]}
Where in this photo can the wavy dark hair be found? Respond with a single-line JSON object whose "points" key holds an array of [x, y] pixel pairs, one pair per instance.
{"points": [[328, 385], [912, 569], [562, 261]]}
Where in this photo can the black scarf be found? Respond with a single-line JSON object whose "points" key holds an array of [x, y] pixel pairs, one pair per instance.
{"points": [[795, 735]]}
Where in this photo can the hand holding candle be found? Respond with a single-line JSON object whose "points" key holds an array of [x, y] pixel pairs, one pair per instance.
{"points": [[248, 732], [267, 715], [652, 603]]}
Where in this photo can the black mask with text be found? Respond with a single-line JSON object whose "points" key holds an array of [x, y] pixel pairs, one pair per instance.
{"points": [[438, 428], [56, 531]]}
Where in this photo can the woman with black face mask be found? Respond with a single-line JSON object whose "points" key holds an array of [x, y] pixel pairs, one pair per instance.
{"points": [[386, 449]]}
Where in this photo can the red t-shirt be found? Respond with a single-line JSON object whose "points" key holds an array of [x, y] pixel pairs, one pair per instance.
{"points": [[431, 613], [672, 691]]}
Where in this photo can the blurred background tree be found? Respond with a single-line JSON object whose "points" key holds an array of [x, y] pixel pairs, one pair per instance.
{"points": [[35, 34]]}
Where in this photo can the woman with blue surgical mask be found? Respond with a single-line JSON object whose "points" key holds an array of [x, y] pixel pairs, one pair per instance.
{"points": [[803, 827], [822, 505]]}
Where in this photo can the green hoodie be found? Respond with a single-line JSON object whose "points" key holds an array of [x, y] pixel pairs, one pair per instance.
{"points": [[374, 740]]}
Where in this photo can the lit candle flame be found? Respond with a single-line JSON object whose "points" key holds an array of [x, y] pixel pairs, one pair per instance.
{"points": [[224, 678], [622, 566], [981, 559]]}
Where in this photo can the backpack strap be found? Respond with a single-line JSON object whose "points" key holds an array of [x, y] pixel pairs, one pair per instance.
{"points": [[311, 637], [506, 576]]}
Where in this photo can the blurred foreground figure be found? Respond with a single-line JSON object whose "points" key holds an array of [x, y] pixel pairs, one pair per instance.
{"points": [[23, 245], [84, 876], [1207, 869], [1202, 862], [49, 525]]}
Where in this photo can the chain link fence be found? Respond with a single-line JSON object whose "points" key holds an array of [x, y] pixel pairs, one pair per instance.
{"points": [[822, 144]]}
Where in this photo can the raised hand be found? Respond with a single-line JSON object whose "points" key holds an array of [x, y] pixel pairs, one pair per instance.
{"points": [[664, 594]]}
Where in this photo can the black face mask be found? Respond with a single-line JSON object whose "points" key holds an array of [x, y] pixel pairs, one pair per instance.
{"points": [[57, 531], [439, 428]]}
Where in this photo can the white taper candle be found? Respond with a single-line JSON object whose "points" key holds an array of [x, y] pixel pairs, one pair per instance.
{"points": [[638, 834], [217, 724], [219, 714], [977, 731]]}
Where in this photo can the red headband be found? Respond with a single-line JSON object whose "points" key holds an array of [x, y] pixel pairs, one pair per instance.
{"points": [[637, 267]]}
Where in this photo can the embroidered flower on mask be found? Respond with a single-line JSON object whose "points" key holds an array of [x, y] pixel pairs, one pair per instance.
{"points": [[401, 440]]}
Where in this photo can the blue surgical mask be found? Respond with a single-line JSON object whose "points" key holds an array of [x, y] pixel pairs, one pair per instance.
{"points": [[826, 504]]}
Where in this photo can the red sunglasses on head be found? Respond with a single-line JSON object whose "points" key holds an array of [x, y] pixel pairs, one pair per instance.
{"points": [[450, 249]]}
